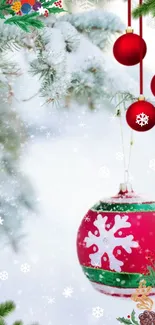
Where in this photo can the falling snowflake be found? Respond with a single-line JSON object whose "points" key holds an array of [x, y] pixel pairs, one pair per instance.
{"points": [[152, 164], [51, 300], [110, 241], [142, 119], [104, 172], [3, 275], [67, 292], [119, 155], [1, 221], [97, 312], [25, 268]]}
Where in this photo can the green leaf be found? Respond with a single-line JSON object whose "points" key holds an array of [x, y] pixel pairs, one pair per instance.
{"points": [[124, 320], [133, 318], [6, 308], [2, 16], [56, 10], [47, 4], [24, 22]]}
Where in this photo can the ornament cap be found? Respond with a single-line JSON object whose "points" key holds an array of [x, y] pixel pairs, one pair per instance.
{"points": [[141, 97], [125, 188], [129, 29]]}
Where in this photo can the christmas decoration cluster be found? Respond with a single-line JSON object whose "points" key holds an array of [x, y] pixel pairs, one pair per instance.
{"points": [[25, 13], [129, 50]]}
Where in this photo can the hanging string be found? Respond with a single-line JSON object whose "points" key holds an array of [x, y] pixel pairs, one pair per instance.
{"points": [[126, 165], [129, 13], [141, 58]]}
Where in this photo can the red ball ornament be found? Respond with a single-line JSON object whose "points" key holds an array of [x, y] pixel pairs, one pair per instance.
{"points": [[113, 242], [127, 49], [30, 2], [140, 116], [153, 86]]}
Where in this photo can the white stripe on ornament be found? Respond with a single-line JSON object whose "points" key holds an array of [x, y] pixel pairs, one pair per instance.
{"points": [[116, 291]]}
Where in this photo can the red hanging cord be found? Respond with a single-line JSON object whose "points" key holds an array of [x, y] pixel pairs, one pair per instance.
{"points": [[141, 59], [129, 13]]}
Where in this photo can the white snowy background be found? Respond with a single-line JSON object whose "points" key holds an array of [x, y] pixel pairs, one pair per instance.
{"points": [[75, 163]]}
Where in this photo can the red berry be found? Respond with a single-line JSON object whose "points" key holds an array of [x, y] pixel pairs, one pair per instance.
{"points": [[128, 316]]}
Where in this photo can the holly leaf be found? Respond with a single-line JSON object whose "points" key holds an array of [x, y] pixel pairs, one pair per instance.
{"points": [[47, 4], [133, 318], [56, 10], [124, 320]]}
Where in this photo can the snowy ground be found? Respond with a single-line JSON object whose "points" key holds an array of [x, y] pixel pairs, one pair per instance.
{"points": [[70, 171]]}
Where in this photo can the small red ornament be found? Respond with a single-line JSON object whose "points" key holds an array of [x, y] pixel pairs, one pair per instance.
{"points": [[127, 49], [153, 86], [140, 116], [113, 241], [30, 2]]}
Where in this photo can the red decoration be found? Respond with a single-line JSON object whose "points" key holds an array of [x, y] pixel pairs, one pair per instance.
{"points": [[127, 48], [113, 240], [140, 116], [30, 2], [153, 86]]}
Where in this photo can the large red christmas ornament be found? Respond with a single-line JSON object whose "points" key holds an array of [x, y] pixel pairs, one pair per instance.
{"points": [[140, 116], [153, 85], [114, 240], [127, 49]]}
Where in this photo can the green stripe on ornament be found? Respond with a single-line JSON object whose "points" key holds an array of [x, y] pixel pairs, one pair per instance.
{"points": [[123, 207], [116, 279]]}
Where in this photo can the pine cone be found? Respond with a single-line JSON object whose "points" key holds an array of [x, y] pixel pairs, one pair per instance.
{"points": [[147, 318]]}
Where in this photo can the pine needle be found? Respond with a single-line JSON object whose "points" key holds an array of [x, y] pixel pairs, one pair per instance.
{"points": [[6, 308], [148, 7]]}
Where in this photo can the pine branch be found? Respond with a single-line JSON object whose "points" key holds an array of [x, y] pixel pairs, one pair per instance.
{"points": [[18, 322], [11, 37], [7, 308], [24, 22], [2, 321], [148, 7]]}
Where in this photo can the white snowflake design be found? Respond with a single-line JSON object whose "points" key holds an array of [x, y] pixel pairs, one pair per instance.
{"points": [[3, 275], [67, 292], [106, 242], [97, 312], [25, 268], [142, 119]]}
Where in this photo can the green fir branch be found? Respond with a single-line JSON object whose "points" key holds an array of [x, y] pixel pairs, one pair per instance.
{"points": [[7, 308], [2, 321], [148, 7], [24, 22], [18, 322]]}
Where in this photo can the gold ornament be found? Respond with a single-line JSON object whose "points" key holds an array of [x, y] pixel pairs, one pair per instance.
{"points": [[16, 6], [141, 296]]}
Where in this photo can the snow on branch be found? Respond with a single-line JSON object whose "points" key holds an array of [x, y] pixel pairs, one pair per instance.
{"points": [[51, 64], [98, 25]]}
